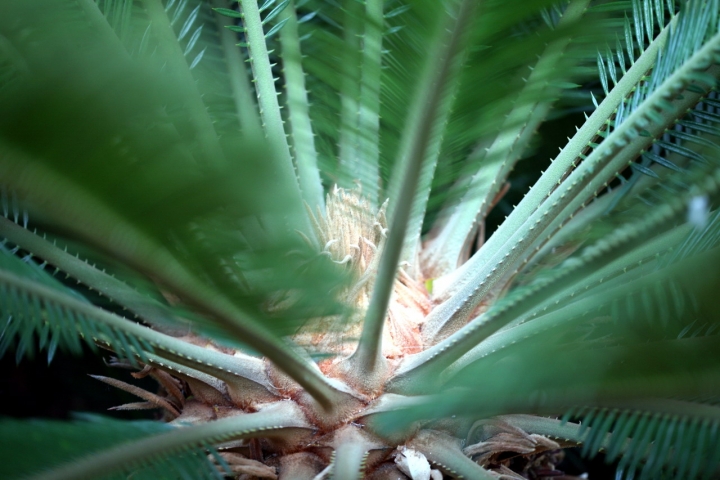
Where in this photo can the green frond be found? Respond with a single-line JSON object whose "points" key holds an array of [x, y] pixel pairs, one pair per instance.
{"points": [[62, 441], [133, 159], [303, 142], [179, 143], [614, 239], [145, 307], [458, 226], [654, 438], [651, 115], [26, 312], [441, 66], [110, 454], [38, 309]]}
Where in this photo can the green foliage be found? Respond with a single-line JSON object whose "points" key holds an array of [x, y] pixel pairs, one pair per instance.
{"points": [[645, 438], [191, 143], [37, 445]]}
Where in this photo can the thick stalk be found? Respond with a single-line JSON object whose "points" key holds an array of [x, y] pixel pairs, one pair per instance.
{"points": [[303, 140], [269, 106], [442, 255], [551, 179], [351, 450], [367, 359], [350, 91], [366, 165], [412, 242], [245, 106], [618, 151], [441, 449]]}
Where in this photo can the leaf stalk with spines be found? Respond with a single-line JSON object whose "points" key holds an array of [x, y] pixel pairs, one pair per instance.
{"points": [[267, 96], [268, 422], [566, 161], [243, 93], [303, 142], [618, 150], [442, 354], [443, 253], [367, 357], [368, 136]]}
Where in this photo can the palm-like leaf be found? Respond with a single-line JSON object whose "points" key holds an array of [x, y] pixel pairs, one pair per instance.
{"points": [[140, 132]]}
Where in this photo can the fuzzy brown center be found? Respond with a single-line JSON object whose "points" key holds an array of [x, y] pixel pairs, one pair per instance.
{"points": [[352, 234]]}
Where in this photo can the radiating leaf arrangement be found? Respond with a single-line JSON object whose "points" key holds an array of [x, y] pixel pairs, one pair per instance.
{"points": [[277, 210]]}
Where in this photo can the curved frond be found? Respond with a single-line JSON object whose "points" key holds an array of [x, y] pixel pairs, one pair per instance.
{"points": [[644, 119], [656, 438], [275, 421], [156, 190]]}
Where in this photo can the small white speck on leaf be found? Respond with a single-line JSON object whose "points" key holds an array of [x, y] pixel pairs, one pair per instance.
{"points": [[698, 210]]}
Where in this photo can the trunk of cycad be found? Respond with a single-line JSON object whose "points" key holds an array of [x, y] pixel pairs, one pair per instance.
{"points": [[352, 234], [331, 440]]}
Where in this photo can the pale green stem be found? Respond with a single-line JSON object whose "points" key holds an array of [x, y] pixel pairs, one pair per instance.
{"points": [[565, 162], [269, 106], [368, 355], [602, 292], [439, 356], [366, 165], [518, 128], [265, 84], [350, 89], [412, 243], [569, 235], [268, 422], [628, 268], [549, 427], [178, 68], [616, 153], [303, 140], [239, 76], [351, 450]]}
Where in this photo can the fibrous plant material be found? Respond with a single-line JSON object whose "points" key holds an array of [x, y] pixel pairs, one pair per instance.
{"points": [[286, 205]]}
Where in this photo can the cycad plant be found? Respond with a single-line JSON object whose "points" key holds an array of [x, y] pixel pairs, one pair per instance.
{"points": [[277, 210]]}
